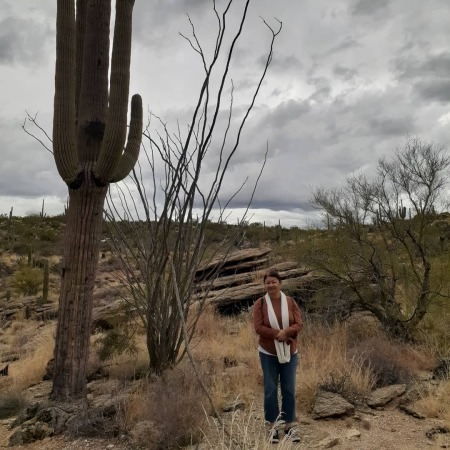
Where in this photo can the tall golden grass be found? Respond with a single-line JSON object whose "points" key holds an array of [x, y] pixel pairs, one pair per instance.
{"points": [[34, 345], [436, 402], [225, 351]]}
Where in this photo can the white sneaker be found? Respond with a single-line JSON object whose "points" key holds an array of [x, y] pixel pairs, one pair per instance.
{"points": [[274, 436], [292, 434]]}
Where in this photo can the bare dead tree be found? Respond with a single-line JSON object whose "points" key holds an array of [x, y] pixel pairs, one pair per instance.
{"points": [[162, 222], [384, 258]]}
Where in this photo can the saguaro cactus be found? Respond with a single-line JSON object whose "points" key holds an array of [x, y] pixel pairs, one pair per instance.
{"points": [[45, 282], [402, 210], [29, 255], [89, 134], [10, 229]]}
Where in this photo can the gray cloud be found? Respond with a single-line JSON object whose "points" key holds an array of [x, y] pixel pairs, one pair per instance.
{"points": [[348, 83], [24, 41], [345, 73], [434, 90], [348, 43], [160, 25], [287, 112], [429, 75], [435, 65], [369, 7], [391, 126], [283, 63]]}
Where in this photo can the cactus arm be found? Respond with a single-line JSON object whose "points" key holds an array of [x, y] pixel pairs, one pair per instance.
{"points": [[116, 124], [64, 137], [131, 153]]}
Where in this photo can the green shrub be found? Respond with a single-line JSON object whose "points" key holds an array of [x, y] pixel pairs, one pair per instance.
{"points": [[27, 280], [48, 235], [115, 342]]}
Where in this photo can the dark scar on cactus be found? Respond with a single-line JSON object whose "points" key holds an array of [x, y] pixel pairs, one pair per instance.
{"points": [[97, 181], [96, 129], [76, 184]]}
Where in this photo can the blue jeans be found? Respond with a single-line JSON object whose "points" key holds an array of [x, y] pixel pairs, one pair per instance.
{"points": [[275, 372]]}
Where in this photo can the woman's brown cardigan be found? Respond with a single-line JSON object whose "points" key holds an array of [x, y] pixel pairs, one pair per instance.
{"points": [[266, 333]]}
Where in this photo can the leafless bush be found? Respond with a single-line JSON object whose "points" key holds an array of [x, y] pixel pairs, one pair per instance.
{"points": [[174, 403], [11, 403], [342, 383], [390, 361], [165, 219]]}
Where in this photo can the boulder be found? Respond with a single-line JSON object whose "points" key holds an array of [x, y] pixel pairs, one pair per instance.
{"points": [[329, 404], [29, 433], [384, 395]]}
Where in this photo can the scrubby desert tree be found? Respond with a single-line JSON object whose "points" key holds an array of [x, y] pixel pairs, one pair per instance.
{"points": [[381, 253], [89, 135], [161, 242]]}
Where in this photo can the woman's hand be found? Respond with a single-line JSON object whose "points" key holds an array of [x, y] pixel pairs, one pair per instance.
{"points": [[282, 336]]}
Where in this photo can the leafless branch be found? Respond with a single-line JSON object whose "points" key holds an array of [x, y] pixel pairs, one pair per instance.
{"points": [[176, 216], [33, 120]]}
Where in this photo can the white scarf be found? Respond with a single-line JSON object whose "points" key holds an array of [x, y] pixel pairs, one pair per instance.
{"points": [[283, 349]]}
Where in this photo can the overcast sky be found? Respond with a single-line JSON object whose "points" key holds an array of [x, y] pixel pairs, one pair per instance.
{"points": [[350, 80]]}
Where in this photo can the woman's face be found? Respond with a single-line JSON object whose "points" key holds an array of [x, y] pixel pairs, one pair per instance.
{"points": [[273, 286]]}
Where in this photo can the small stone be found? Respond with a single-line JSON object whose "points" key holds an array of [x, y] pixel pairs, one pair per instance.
{"points": [[353, 433], [329, 442], [412, 410]]}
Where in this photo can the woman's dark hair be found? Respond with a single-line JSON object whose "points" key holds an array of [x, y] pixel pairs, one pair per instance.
{"points": [[272, 273]]}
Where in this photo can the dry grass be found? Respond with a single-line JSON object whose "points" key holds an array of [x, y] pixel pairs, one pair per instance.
{"points": [[34, 347], [436, 403], [243, 430], [325, 363], [125, 366], [227, 349], [173, 403], [389, 361], [340, 358]]}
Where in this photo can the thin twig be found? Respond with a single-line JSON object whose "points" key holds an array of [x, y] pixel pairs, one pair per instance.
{"points": [[188, 350], [33, 120]]}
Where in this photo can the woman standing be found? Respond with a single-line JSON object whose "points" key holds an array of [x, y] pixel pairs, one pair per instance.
{"points": [[278, 321]]}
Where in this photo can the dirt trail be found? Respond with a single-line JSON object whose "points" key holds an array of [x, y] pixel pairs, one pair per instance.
{"points": [[387, 429]]}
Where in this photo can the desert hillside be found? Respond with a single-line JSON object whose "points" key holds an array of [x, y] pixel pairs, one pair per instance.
{"points": [[357, 386]]}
